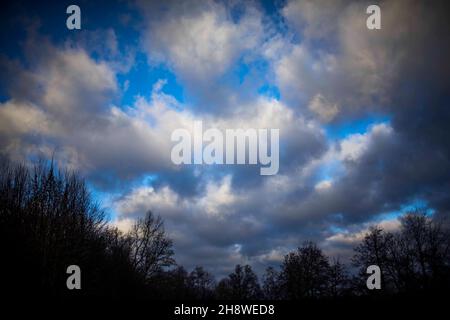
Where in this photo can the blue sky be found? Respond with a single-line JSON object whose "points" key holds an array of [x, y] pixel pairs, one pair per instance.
{"points": [[362, 123]]}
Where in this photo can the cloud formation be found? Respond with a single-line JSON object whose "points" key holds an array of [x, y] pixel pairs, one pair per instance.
{"points": [[307, 68]]}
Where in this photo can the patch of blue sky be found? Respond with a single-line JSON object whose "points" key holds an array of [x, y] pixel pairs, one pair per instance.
{"points": [[237, 11], [242, 71], [336, 229], [417, 204], [390, 215], [51, 20], [412, 206], [271, 7], [270, 91], [255, 73], [141, 78], [17, 22], [104, 199], [259, 70], [144, 180], [329, 171], [106, 13], [272, 10], [149, 179], [4, 97], [341, 130], [248, 67], [336, 225]]}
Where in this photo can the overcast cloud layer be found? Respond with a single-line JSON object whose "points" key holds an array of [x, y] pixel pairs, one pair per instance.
{"points": [[363, 115]]}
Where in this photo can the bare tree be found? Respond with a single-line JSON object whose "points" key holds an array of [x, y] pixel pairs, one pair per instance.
{"points": [[414, 258], [338, 280], [426, 244], [49, 221], [242, 284], [305, 273], [271, 284], [151, 250], [201, 283]]}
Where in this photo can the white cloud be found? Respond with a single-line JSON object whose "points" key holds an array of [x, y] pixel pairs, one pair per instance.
{"points": [[124, 225], [323, 185], [352, 238], [22, 117], [142, 199], [354, 146], [74, 86], [216, 200], [200, 40]]}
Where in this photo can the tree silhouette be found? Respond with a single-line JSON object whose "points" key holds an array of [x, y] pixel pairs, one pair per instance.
{"points": [[201, 283], [413, 259], [49, 221], [304, 273], [150, 249], [425, 245], [374, 250], [338, 280], [242, 284], [271, 285]]}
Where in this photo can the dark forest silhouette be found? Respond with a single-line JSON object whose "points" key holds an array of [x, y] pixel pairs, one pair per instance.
{"points": [[49, 221]]}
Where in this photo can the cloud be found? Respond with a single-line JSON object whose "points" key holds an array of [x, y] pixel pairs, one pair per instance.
{"points": [[205, 224], [105, 44], [280, 211], [314, 19], [208, 45], [200, 40], [359, 73], [341, 244], [67, 109], [323, 108], [75, 120], [355, 237], [323, 185], [21, 118], [340, 61]]}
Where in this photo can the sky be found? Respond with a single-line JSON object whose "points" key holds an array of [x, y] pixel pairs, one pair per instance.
{"points": [[363, 115]]}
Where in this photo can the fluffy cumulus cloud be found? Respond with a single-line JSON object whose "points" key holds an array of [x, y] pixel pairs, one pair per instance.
{"points": [[209, 45], [309, 68], [66, 109], [200, 40]]}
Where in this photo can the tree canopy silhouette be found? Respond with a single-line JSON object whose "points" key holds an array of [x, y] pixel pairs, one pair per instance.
{"points": [[48, 221], [416, 258]]}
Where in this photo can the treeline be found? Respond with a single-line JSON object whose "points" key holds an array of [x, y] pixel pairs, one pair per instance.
{"points": [[48, 221]]}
